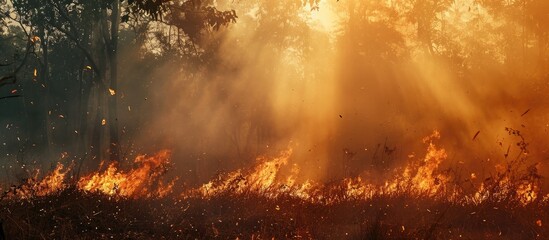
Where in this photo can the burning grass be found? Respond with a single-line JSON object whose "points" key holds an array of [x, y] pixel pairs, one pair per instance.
{"points": [[420, 201], [143, 181], [423, 178]]}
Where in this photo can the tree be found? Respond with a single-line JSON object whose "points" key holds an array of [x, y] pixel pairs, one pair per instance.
{"points": [[9, 31], [92, 29], [529, 20]]}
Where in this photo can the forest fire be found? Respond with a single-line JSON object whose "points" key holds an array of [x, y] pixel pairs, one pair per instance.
{"points": [[52, 183], [419, 179], [144, 181], [286, 119], [422, 180]]}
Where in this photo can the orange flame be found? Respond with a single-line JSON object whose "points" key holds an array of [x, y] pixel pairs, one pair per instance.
{"points": [[143, 181], [261, 179], [417, 179], [50, 184]]}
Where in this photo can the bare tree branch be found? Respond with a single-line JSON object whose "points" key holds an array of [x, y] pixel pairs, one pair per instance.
{"points": [[12, 96], [11, 78], [73, 37]]}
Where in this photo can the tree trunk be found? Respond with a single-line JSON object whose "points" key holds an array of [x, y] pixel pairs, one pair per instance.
{"points": [[99, 90], [83, 120], [97, 138], [114, 146], [45, 71], [87, 76]]}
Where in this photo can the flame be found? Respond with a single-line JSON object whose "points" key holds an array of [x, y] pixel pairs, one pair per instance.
{"points": [[144, 181], [265, 179], [50, 184], [140, 182], [423, 178], [34, 39], [502, 190], [527, 193], [420, 178], [262, 179]]}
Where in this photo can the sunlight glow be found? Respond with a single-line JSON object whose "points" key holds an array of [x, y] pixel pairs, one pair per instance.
{"points": [[322, 19]]}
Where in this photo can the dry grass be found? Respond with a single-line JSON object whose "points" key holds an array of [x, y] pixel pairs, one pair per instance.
{"points": [[71, 214], [241, 210]]}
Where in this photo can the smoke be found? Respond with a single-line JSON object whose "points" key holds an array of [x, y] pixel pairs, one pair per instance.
{"points": [[349, 94]]}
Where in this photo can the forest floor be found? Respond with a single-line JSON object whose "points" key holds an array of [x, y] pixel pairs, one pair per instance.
{"points": [[73, 214]]}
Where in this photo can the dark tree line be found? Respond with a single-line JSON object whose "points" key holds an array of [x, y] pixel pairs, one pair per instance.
{"points": [[59, 51]]}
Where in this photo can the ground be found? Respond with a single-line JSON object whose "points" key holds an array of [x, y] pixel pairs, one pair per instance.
{"points": [[73, 214]]}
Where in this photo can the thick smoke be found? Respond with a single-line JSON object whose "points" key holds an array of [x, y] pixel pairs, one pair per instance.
{"points": [[350, 88]]}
